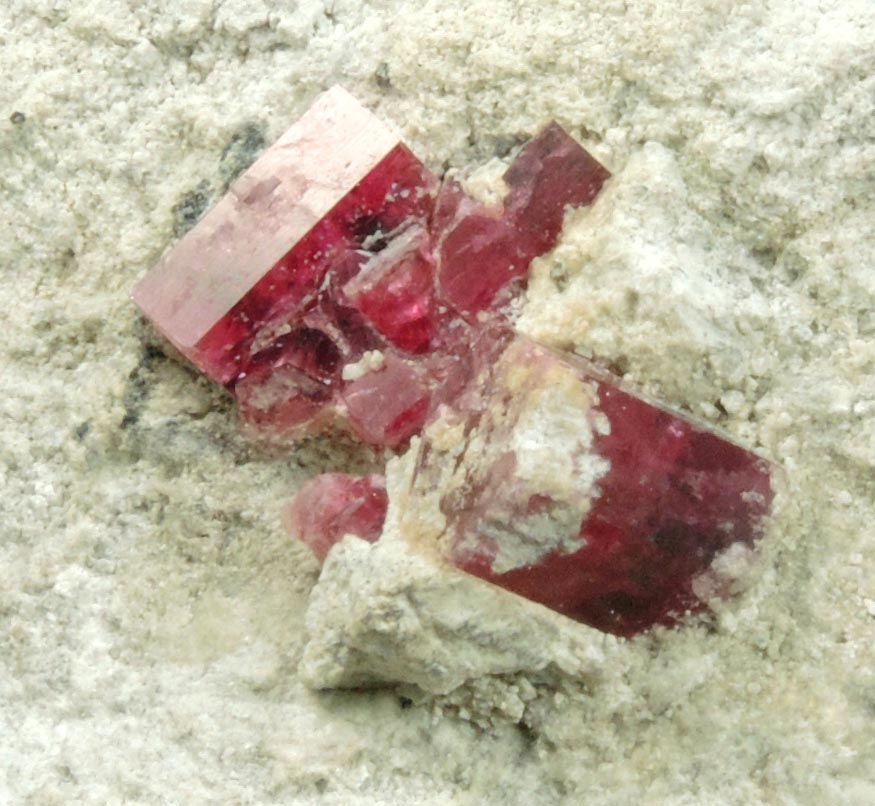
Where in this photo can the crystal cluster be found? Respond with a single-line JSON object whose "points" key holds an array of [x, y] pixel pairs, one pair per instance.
{"points": [[341, 284]]}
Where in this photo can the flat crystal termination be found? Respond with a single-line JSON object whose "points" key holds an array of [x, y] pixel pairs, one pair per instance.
{"points": [[266, 212], [571, 491], [361, 320]]}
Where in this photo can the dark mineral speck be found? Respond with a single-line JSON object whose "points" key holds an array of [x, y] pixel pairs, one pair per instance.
{"points": [[242, 150], [381, 76], [190, 207]]}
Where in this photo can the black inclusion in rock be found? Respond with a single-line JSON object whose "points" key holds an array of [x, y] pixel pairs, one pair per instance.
{"points": [[242, 150], [190, 207]]}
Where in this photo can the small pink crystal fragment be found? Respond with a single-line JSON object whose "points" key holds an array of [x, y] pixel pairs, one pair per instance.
{"points": [[479, 256], [550, 174], [334, 505], [388, 405]]}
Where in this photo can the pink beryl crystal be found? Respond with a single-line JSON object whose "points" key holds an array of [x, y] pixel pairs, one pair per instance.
{"points": [[334, 505], [340, 284]]}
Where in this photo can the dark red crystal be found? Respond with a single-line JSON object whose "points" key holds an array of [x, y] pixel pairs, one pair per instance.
{"points": [[675, 496], [550, 174]]}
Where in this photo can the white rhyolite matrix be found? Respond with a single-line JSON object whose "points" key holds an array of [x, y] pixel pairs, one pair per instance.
{"points": [[154, 642]]}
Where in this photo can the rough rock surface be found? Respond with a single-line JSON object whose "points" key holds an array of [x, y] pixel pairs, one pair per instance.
{"points": [[151, 610]]}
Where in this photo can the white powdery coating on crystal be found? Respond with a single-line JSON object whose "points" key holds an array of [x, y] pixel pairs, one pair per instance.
{"points": [[371, 361], [552, 442], [731, 565], [518, 485]]}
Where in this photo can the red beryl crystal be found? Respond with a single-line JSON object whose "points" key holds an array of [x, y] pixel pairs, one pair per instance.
{"points": [[338, 282], [569, 490], [334, 505], [559, 485]]}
